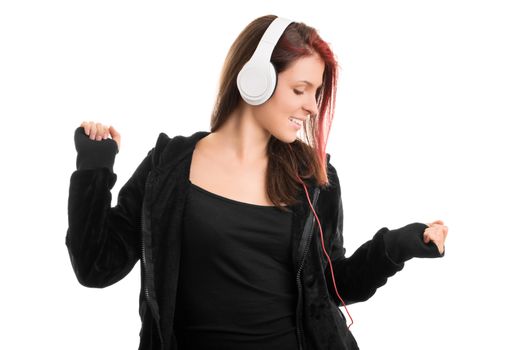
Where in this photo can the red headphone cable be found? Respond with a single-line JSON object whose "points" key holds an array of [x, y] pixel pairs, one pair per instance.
{"points": [[326, 254]]}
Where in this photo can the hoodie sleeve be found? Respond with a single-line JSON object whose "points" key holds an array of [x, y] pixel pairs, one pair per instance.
{"points": [[368, 268], [407, 242], [93, 154], [103, 241]]}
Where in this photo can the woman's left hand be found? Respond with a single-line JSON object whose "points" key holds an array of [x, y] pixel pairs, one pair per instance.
{"points": [[437, 233]]}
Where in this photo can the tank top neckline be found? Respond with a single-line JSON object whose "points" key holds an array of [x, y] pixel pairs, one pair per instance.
{"points": [[226, 199]]}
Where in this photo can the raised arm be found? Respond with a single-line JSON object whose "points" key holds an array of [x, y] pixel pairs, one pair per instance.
{"points": [[103, 241]]}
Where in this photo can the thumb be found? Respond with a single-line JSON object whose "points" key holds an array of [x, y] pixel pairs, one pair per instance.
{"points": [[438, 222], [115, 135]]}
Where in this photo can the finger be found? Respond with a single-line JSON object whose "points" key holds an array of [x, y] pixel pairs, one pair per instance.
{"points": [[92, 128], [426, 238], [100, 131], [440, 246], [115, 135], [443, 228], [86, 127], [437, 243], [437, 222], [437, 237], [93, 131], [105, 132], [430, 235]]}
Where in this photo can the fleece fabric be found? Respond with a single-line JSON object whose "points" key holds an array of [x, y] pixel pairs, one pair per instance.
{"points": [[105, 243]]}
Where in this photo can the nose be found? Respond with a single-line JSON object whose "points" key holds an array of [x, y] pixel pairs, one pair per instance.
{"points": [[310, 106]]}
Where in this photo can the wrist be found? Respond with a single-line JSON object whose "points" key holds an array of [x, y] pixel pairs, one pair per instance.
{"points": [[92, 154], [405, 243]]}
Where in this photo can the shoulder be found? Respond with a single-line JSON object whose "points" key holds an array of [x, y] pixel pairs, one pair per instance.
{"points": [[333, 178], [330, 194], [330, 201], [170, 150]]}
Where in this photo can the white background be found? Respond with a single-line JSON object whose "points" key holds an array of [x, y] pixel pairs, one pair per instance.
{"points": [[428, 126]]}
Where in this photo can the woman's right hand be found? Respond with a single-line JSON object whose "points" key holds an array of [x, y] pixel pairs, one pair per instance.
{"points": [[436, 232], [98, 132]]}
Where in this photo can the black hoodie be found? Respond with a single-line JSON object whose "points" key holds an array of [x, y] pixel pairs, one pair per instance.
{"points": [[105, 242]]}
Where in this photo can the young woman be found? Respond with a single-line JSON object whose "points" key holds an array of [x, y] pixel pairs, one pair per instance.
{"points": [[239, 231]]}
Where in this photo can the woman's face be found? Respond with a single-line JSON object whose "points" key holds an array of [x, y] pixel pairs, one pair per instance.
{"points": [[294, 98]]}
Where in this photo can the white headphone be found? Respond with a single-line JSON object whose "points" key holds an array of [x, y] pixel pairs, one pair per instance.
{"points": [[257, 79]]}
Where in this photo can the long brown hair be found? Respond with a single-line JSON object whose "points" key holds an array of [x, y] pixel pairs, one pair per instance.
{"points": [[307, 158]]}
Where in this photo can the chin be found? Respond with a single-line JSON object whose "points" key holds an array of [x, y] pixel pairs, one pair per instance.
{"points": [[286, 137]]}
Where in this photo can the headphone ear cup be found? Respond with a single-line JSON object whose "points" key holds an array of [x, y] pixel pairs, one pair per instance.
{"points": [[256, 82], [273, 82]]}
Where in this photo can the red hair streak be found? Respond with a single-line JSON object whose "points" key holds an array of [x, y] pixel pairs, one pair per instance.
{"points": [[328, 256], [327, 98], [288, 51]]}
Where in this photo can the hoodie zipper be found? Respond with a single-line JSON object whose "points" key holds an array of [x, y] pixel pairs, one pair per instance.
{"points": [[307, 235], [147, 271]]}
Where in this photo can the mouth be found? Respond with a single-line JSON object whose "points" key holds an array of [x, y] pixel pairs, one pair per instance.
{"points": [[296, 121]]}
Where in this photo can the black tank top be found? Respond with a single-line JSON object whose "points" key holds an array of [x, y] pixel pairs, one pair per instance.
{"points": [[237, 287]]}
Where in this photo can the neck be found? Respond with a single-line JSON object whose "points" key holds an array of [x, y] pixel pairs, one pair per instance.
{"points": [[242, 139]]}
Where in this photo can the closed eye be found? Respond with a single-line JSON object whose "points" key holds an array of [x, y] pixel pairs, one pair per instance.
{"points": [[297, 92]]}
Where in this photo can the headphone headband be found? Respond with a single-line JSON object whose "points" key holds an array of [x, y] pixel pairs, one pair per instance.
{"points": [[269, 39]]}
